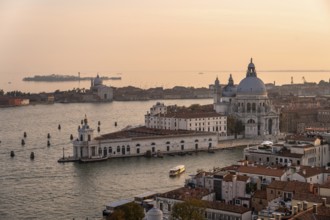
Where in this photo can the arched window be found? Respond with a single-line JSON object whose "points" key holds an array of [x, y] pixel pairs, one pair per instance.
{"points": [[110, 150], [182, 141], [118, 149], [128, 148], [210, 139], [100, 151], [196, 140], [251, 121], [81, 137], [137, 145], [168, 142]]}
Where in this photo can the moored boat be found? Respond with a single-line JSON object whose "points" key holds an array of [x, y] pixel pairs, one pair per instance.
{"points": [[177, 170], [93, 159]]}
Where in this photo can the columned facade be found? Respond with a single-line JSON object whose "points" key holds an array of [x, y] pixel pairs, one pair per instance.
{"points": [[249, 103]]}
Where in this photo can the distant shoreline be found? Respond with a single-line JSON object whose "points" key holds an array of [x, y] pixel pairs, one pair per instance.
{"points": [[63, 78]]}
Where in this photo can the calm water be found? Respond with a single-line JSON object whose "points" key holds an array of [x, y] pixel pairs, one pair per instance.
{"points": [[45, 189]]}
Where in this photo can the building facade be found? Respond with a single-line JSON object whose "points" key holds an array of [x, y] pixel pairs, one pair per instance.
{"points": [[139, 141], [103, 92], [249, 103], [201, 118]]}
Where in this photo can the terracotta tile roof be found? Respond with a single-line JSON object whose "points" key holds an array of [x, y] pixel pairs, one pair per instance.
{"points": [[230, 168], [290, 186], [229, 178], [185, 193], [261, 170], [309, 197], [226, 207], [260, 194], [323, 213], [242, 178], [203, 173], [308, 171]]}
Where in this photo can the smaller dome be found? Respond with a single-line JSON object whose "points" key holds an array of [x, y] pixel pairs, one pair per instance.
{"points": [[229, 91], [97, 81], [154, 214]]}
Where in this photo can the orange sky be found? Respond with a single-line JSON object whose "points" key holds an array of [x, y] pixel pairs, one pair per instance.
{"points": [[60, 36]]}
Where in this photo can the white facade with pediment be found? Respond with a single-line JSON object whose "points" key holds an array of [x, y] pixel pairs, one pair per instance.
{"points": [[249, 103], [103, 92]]}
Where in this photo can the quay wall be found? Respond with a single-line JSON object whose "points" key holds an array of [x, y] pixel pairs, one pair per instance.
{"points": [[237, 143]]}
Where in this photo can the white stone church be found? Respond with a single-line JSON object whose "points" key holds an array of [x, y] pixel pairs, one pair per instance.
{"points": [[249, 103]]}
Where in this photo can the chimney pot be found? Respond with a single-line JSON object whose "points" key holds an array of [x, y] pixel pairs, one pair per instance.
{"points": [[295, 210], [315, 208], [299, 206], [324, 201], [305, 204]]}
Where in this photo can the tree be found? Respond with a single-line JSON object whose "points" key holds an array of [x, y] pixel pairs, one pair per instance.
{"points": [[189, 209], [234, 126], [2, 92], [130, 211]]}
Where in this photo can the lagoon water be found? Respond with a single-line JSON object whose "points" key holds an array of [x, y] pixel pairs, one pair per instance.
{"points": [[45, 189]]}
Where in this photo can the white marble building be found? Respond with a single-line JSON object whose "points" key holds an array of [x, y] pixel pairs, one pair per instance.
{"points": [[105, 93], [249, 103], [140, 141], [178, 118]]}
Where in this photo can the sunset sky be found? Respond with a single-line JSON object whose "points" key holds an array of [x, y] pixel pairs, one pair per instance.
{"points": [[61, 36]]}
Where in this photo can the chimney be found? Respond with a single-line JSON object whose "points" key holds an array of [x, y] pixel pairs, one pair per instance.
{"points": [[305, 204], [278, 217], [295, 210], [324, 201], [315, 208], [299, 206]]}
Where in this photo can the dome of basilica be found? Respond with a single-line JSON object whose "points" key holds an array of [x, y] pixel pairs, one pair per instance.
{"points": [[251, 84]]}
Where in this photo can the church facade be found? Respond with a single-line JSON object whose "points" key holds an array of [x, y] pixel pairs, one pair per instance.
{"points": [[249, 103], [103, 92]]}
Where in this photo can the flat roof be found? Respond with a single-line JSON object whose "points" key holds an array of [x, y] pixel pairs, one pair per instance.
{"points": [[119, 203], [147, 133]]}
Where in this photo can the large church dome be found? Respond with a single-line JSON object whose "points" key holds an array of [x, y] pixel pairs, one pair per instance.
{"points": [[251, 85]]}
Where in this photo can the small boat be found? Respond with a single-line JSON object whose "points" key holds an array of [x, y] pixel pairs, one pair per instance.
{"points": [[90, 160], [177, 170]]}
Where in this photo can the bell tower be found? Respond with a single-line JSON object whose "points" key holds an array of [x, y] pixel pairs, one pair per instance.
{"points": [[85, 132], [217, 92]]}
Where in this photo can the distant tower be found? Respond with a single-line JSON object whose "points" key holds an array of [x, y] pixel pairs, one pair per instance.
{"points": [[85, 132], [291, 79], [217, 91]]}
